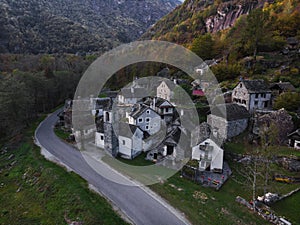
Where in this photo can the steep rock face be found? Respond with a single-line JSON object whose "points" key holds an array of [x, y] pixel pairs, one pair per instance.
{"points": [[227, 14], [196, 17], [41, 26]]}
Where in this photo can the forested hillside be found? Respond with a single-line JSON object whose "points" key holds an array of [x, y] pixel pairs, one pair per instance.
{"points": [[30, 85], [40, 26], [258, 39]]}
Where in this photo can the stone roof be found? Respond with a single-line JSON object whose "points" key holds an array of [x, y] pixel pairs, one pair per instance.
{"points": [[256, 86], [158, 101], [233, 111], [284, 86], [138, 110], [127, 130], [102, 103], [173, 138], [133, 92], [169, 84]]}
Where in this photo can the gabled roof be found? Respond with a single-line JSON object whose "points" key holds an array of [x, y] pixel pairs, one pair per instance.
{"points": [[284, 86], [173, 138], [127, 130], [134, 92], [230, 111], [256, 86], [169, 84], [158, 102], [139, 109]]}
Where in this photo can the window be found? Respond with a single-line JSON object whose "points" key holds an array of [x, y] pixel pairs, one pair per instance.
{"points": [[148, 111], [255, 102], [140, 120], [167, 110], [256, 95], [107, 117], [241, 85], [102, 138], [123, 142], [148, 120], [263, 95], [244, 102], [147, 127]]}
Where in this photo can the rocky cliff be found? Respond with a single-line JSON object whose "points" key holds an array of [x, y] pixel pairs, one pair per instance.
{"points": [[196, 17], [41, 26]]}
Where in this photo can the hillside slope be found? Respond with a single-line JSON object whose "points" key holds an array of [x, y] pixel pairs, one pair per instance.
{"points": [[196, 17], [40, 26]]}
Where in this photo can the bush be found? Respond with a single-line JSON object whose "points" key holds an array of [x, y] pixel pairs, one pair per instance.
{"points": [[289, 101]]}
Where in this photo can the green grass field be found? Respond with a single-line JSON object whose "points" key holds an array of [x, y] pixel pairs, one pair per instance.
{"points": [[205, 205], [289, 208], [36, 191]]}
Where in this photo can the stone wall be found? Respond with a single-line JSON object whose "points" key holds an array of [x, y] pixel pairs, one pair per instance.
{"points": [[111, 143]]}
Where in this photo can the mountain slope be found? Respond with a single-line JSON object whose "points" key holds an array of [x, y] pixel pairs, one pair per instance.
{"points": [[40, 26], [196, 17]]}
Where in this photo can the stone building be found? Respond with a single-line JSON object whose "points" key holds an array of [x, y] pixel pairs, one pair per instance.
{"points": [[146, 118], [228, 120], [165, 90], [252, 94], [209, 155], [111, 144], [130, 140]]}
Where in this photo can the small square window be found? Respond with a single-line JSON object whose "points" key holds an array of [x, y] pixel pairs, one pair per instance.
{"points": [[102, 138], [148, 111], [140, 120], [147, 127], [147, 120]]}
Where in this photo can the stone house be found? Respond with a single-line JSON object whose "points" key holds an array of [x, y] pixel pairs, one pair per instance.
{"points": [[146, 118], [209, 155], [163, 107], [130, 140], [252, 94], [294, 139], [281, 87], [131, 95], [228, 120], [165, 90]]}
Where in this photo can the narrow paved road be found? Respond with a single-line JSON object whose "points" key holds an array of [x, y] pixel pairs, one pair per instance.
{"points": [[135, 202]]}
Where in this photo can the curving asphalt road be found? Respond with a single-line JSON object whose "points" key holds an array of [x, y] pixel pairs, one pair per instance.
{"points": [[138, 204]]}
